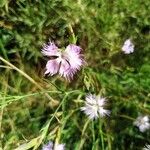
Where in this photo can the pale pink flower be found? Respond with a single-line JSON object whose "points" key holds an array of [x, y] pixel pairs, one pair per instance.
{"points": [[50, 50], [66, 63], [128, 47], [94, 107], [51, 146], [48, 146]]}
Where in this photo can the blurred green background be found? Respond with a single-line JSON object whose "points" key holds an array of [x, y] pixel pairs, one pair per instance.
{"points": [[27, 115]]}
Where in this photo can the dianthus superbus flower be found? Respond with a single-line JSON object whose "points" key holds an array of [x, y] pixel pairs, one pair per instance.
{"points": [[94, 107], [51, 146], [128, 47], [142, 122], [66, 63]]}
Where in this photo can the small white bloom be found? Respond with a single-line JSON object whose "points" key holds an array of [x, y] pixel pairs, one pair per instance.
{"points": [[147, 147], [142, 122], [94, 107], [128, 47], [48, 146], [51, 146], [60, 147]]}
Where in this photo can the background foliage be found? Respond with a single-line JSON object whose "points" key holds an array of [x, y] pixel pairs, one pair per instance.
{"points": [[27, 115]]}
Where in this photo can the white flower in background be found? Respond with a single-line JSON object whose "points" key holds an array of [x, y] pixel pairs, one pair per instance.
{"points": [[94, 107], [60, 147], [51, 146], [147, 147], [128, 47], [142, 122], [48, 146]]}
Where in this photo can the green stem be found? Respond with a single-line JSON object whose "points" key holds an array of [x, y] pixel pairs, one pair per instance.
{"points": [[93, 135], [29, 78], [74, 40], [101, 135], [93, 131], [83, 131], [45, 129]]}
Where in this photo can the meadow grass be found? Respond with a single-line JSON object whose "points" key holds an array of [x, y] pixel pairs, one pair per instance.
{"points": [[36, 109]]}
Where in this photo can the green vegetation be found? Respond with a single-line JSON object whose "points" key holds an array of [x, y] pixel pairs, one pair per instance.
{"points": [[35, 109]]}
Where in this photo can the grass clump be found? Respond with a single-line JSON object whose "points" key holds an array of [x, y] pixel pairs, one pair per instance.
{"points": [[36, 109]]}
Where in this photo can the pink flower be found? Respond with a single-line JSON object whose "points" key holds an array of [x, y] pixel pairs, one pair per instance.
{"points": [[66, 63]]}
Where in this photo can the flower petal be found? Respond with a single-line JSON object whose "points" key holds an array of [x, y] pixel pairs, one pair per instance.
{"points": [[52, 67], [73, 48], [50, 49], [101, 101], [103, 112], [65, 69], [73, 56], [128, 47], [60, 147], [91, 99], [48, 146]]}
